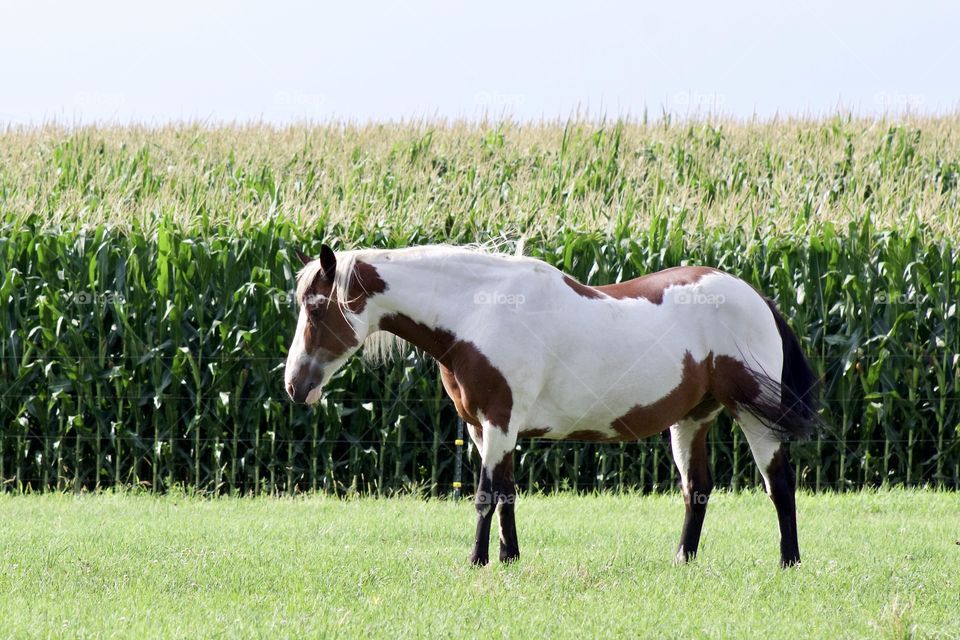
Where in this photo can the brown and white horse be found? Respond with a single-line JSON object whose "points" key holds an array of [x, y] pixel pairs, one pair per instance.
{"points": [[526, 351]]}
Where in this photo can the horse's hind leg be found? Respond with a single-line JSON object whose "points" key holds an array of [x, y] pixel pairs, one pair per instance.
{"points": [[770, 454], [688, 439]]}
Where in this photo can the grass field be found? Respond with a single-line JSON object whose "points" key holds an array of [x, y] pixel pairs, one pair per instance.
{"points": [[876, 564]]}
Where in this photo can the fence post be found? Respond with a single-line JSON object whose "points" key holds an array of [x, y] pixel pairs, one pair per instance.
{"points": [[458, 460]]}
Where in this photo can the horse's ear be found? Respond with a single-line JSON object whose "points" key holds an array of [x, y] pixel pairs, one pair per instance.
{"points": [[328, 262], [304, 258]]}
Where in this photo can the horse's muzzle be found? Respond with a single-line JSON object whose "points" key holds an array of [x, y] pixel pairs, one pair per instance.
{"points": [[300, 392]]}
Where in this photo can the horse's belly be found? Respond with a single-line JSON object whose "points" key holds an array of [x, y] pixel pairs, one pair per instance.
{"points": [[578, 410]]}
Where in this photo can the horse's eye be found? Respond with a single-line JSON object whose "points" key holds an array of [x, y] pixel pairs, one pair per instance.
{"points": [[316, 307]]}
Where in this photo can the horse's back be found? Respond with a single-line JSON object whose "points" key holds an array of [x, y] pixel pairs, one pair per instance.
{"points": [[653, 285]]}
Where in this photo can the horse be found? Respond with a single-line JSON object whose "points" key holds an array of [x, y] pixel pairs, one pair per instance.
{"points": [[525, 350]]}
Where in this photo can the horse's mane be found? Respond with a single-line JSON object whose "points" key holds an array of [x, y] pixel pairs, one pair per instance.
{"points": [[382, 346]]}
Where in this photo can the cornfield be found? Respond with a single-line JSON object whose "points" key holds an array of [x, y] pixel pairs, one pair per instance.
{"points": [[147, 278]]}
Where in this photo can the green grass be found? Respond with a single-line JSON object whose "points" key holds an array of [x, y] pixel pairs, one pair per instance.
{"points": [[876, 564]]}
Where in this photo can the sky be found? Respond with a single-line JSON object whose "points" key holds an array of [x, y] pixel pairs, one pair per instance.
{"points": [[283, 62]]}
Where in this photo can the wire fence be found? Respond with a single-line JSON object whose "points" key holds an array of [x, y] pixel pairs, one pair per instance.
{"points": [[167, 371], [384, 464]]}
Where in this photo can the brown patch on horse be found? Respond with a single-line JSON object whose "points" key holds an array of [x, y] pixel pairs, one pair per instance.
{"points": [[706, 408], [365, 283], [647, 420], [589, 435], [452, 387], [533, 433], [704, 387], [329, 334], [699, 472], [732, 383], [582, 289], [650, 287], [473, 383]]}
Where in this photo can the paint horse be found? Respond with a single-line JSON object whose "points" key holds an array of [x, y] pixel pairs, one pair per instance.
{"points": [[526, 351]]}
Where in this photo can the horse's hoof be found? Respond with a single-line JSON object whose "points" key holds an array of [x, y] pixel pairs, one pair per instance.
{"points": [[684, 557], [509, 556], [479, 561], [786, 563]]}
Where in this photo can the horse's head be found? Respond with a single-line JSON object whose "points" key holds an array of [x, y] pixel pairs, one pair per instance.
{"points": [[331, 326]]}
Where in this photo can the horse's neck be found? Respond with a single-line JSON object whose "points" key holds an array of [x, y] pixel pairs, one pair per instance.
{"points": [[437, 293]]}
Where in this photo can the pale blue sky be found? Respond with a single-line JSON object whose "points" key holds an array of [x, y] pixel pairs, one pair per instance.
{"points": [[78, 62]]}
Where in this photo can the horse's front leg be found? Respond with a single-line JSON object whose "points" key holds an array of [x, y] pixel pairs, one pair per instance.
{"points": [[496, 489]]}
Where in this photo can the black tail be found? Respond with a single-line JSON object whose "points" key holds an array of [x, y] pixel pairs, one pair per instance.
{"points": [[797, 415]]}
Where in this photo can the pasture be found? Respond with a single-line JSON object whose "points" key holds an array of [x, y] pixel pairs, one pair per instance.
{"points": [[876, 564]]}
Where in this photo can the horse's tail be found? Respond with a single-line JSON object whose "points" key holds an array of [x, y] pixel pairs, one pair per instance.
{"points": [[796, 415]]}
